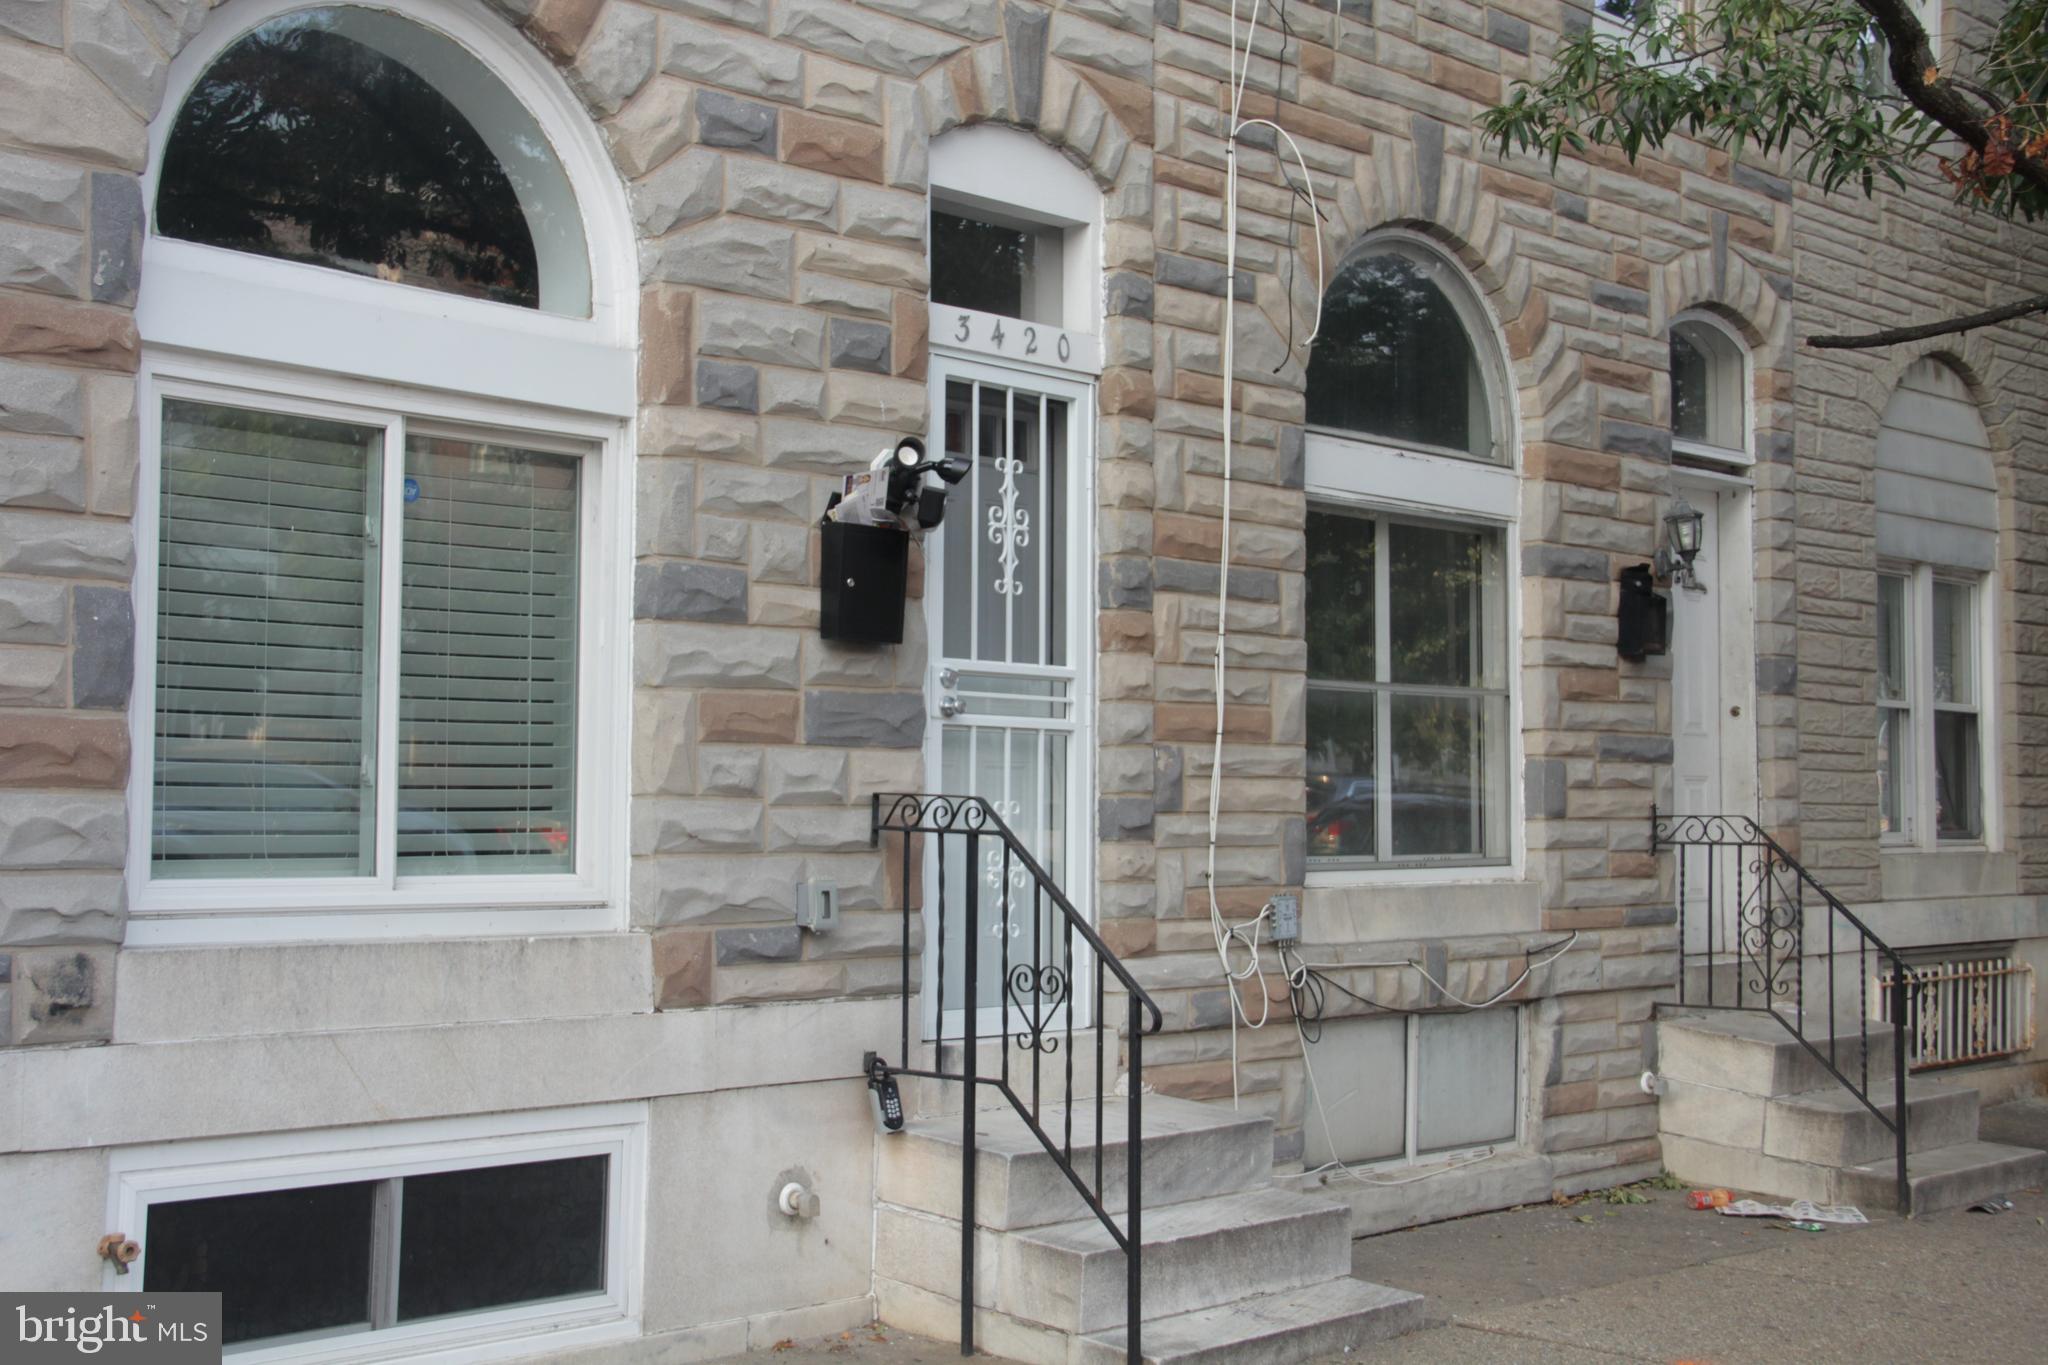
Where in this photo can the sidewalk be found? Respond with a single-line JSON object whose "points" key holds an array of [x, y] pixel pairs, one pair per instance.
{"points": [[1597, 1283]]}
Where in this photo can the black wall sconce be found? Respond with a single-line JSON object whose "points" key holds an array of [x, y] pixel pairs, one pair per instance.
{"points": [[1684, 526], [1643, 617]]}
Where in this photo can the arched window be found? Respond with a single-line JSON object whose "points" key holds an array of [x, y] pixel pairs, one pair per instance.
{"points": [[1709, 390], [1395, 360], [1412, 500], [385, 375], [358, 140]]}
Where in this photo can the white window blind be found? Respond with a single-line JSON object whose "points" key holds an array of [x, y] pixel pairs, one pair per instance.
{"points": [[269, 644], [487, 669], [266, 640]]}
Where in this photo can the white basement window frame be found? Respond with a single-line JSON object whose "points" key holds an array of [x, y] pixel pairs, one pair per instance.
{"points": [[141, 1178], [179, 910], [1431, 1062]]}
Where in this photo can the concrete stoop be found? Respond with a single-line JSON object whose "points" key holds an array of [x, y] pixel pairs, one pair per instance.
{"points": [[1747, 1106], [1235, 1269]]}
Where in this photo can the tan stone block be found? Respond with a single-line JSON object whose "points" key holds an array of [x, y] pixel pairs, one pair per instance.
{"points": [[33, 328], [912, 331], [1127, 392], [1175, 536], [63, 751], [560, 26], [1125, 631], [1617, 373], [1130, 937], [1508, 185], [1196, 721], [682, 968], [1130, 103], [665, 346], [1588, 684], [832, 145], [748, 717]]}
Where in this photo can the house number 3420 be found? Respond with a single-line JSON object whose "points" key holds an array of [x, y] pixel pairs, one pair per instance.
{"points": [[1015, 338]]}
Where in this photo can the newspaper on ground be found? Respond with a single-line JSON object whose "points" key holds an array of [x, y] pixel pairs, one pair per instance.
{"points": [[1799, 1211]]}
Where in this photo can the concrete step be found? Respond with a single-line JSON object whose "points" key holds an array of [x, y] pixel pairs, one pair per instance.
{"points": [[1752, 1053], [1331, 1318], [1947, 1177], [1071, 1276], [1832, 1127], [924, 1097], [1192, 1151]]}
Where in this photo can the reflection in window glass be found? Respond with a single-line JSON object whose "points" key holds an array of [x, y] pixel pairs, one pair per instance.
{"points": [[1393, 360], [283, 1262], [1956, 814], [1406, 712], [1012, 271], [1706, 386], [349, 138], [1688, 388], [1954, 677], [503, 1234]]}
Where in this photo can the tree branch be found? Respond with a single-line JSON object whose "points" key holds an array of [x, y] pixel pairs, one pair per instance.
{"points": [[1911, 59], [1893, 336]]}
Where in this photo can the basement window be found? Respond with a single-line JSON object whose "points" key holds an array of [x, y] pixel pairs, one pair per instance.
{"points": [[1409, 1089], [393, 1244]]}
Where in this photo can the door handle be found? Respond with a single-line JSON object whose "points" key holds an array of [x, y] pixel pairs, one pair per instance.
{"points": [[950, 706]]}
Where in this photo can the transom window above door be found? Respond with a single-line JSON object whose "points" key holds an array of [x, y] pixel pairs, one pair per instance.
{"points": [[1709, 391], [350, 138]]}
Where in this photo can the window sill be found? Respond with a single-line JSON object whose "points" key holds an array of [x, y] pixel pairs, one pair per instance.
{"points": [[203, 921], [1351, 907]]}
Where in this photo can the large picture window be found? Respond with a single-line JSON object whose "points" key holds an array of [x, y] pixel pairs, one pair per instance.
{"points": [[1407, 694], [1930, 734]]}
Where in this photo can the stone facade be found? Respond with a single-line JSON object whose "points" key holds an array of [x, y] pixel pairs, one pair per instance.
{"points": [[776, 157]]}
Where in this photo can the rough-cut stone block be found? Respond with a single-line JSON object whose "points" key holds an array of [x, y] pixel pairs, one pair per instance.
{"points": [[109, 43], [37, 190], [836, 146], [63, 995], [39, 21], [69, 333], [882, 720], [103, 652], [42, 471], [859, 346], [764, 189], [805, 777], [723, 121], [651, 129], [32, 675], [616, 60], [682, 968], [32, 612], [862, 37], [736, 388], [689, 592], [64, 546], [668, 825], [46, 259], [749, 331], [782, 943], [62, 751], [738, 61], [41, 830], [49, 104], [40, 401], [879, 215], [686, 189], [717, 656], [61, 907], [754, 717], [733, 254]]}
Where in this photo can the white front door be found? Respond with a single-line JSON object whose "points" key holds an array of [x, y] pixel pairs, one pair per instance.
{"points": [[1696, 644], [1008, 601]]}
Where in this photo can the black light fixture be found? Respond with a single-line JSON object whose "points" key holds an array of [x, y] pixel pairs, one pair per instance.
{"points": [[1684, 527]]}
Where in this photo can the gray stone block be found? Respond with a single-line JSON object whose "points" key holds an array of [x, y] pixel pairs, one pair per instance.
{"points": [[1025, 37], [692, 655], [103, 652], [47, 260], [1428, 137], [689, 592], [738, 255], [616, 60], [42, 471], [724, 121], [1504, 30], [1291, 469], [863, 38], [51, 830], [39, 908], [64, 546], [39, 21], [771, 335], [1763, 182], [864, 720], [1126, 581], [1206, 277], [48, 192], [1635, 748], [784, 943], [859, 346], [1634, 438], [1124, 818], [1777, 676], [718, 56], [63, 995], [736, 388], [1569, 205], [172, 23], [1130, 295], [40, 401], [878, 215], [766, 189], [108, 42], [1621, 298], [1246, 585], [1294, 850], [1168, 776], [116, 237], [685, 189]]}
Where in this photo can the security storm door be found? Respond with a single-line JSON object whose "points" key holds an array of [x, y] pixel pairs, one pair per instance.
{"points": [[1008, 612]]}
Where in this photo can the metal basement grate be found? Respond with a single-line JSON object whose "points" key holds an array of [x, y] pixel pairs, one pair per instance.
{"points": [[1964, 1006]]}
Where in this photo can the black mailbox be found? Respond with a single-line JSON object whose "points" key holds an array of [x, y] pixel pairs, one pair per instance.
{"points": [[1643, 618], [863, 577]]}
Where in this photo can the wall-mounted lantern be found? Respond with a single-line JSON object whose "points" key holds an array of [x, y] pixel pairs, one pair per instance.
{"points": [[1684, 525], [1642, 619]]}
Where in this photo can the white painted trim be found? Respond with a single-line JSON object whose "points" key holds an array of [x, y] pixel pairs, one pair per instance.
{"points": [[139, 1177], [1006, 174], [216, 301], [1733, 589], [1355, 470], [181, 911]]}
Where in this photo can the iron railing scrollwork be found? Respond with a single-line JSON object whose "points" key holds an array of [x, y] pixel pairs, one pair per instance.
{"points": [[1743, 906], [1007, 896]]}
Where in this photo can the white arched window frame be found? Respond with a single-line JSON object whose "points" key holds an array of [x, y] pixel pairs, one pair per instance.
{"points": [[1432, 489], [1712, 365], [233, 330]]}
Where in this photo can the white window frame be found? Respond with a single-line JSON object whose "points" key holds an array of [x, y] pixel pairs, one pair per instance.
{"points": [[1732, 368], [1917, 805], [218, 301], [1411, 1155], [140, 1177], [178, 911], [1350, 472]]}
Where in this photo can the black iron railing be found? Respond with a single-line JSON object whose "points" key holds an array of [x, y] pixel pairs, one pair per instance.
{"points": [[1743, 906], [1005, 895]]}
